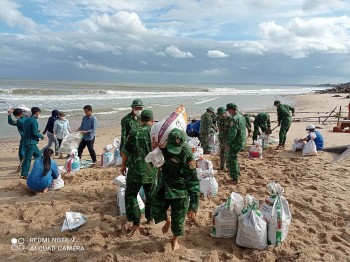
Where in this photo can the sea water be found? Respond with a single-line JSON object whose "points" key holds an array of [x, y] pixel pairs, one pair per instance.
{"points": [[111, 101]]}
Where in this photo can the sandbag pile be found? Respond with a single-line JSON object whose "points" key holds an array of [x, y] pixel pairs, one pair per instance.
{"points": [[298, 145], [225, 217], [197, 150], [73, 162], [206, 175], [160, 132], [255, 227], [107, 158]]}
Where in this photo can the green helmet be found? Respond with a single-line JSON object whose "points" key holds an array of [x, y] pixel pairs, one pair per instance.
{"points": [[137, 102], [146, 115], [231, 106], [277, 102], [221, 110], [210, 109], [176, 139]]}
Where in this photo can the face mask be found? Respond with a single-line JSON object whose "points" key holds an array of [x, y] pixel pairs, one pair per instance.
{"points": [[137, 112], [63, 118], [308, 131]]}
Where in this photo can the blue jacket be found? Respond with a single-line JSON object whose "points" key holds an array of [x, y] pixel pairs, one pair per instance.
{"points": [[88, 124], [319, 141], [193, 127], [31, 133], [36, 180]]}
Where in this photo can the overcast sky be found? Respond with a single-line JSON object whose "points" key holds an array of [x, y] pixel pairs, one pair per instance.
{"points": [[181, 41]]}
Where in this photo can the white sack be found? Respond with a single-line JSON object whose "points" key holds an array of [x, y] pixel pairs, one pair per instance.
{"points": [[57, 183], [121, 201], [310, 148], [120, 181], [156, 157], [209, 186], [298, 145], [73, 221], [70, 142], [277, 214], [73, 162], [107, 159], [252, 227]]}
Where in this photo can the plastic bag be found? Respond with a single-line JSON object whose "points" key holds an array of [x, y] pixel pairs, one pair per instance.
{"points": [[73, 162], [70, 142], [298, 145], [121, 201], [256, 150], [310, 148], [117, 157], [225, 217], [209, 186], [57, 183], [277, 214], [120, 181], [107, 159], [156, 157], [160, 130], [73, 221], [213, 146], [252, 227], [197, 150]]}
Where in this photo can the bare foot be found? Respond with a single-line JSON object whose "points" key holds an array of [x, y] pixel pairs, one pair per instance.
{"points": [[175, 244], [133, 229], [165, 228]]}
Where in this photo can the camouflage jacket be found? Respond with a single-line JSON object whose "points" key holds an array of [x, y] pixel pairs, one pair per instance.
{"points": [[179, 178], [136, 148], [248, 124], [206, 123], [224, 126], [261, 119], [283, 112], [237, 133], [128, 123]]}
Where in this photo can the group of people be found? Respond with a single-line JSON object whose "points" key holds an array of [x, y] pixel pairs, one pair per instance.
{"points": [[175, 184]]}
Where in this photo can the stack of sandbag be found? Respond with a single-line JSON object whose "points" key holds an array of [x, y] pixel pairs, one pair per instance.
{"points": [[160, 132], [117, 157], [256, 149], [70, 142], [298, 145], [206, 175], [225, 217], [107, 158], [310, 148], [73, 162], [197, 150], [277, 214], [252, 227], [213, 146], [121, 182]]}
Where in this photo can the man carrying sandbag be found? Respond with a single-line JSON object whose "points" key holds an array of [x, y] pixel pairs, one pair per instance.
{"points": [[177, 186], [131, 120], [31, 138], [261, 121], [224, 126], [248, 124], [284, 121], [140, 173], [207, 122], [236, 140]]}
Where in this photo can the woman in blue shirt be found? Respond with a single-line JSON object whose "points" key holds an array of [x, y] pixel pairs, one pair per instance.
{"points": [[316, 136], [44, 171]]}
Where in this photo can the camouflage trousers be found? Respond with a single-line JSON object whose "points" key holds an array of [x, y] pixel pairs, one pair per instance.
{"points": [[233, 164], [223, 154], [178, 207], [133, 211], [262, 126], [204, 138], [285, 125]]}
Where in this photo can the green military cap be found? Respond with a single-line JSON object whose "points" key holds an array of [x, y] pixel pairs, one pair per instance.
{"points": [[277, 102], [221, 110], [176, 140], [231, 106], [137, 102], [146, 115], [211, 109]]}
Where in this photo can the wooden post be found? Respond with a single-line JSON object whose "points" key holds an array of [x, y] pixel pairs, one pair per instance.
{"points": [[329, 115], [339, 115]]}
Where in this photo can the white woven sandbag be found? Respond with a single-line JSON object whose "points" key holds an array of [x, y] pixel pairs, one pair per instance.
{"points": [[277, 214], [209, 186], [107, 159], [57, 183], [298, 145], [252, 227], [310, 149]]}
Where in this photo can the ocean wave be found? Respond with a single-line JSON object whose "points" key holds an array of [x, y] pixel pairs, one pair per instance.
{"points": [[206, 100]]}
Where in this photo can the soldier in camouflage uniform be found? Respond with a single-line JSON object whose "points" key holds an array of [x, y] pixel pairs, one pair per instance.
{"points": [[262, 121], [177, 186], [284, 121], [248, 124], [236, 140], [131, 120], [204, 131], [140, 173], [224, 126]]}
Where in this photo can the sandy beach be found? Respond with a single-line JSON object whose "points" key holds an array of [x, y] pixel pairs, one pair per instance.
{"points": [[317, 189]]}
